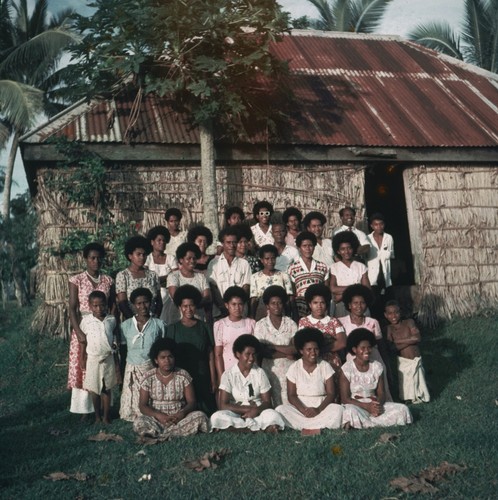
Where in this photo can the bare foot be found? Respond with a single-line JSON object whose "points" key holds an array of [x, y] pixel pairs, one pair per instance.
{"points": [[107, 421], [272, 429]]}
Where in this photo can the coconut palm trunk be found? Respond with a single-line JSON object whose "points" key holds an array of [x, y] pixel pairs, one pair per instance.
{"points": [[9, 172]]}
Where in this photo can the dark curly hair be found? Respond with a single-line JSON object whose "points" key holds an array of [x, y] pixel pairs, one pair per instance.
{"points": [[173, 211], [229, 231], [318, 290], [345, 237], [357, 290], [357, 336], [234, 210], [312, 216], [161, 345], [159, 230], [305, 335], [342, 210], [267, 249], [274, 291], [137, 242], [93, 247], [140, 292], [197, 231], [243, 231], [305, 235], [184, 248], [187, 292], [260, 205], [245, 340], [289, 212], [235, 291]]}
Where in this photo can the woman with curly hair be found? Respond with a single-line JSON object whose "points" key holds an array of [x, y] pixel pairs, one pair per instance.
{"points": [[203, 238], [292, 218]]}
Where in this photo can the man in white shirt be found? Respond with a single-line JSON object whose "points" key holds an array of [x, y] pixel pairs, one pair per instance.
{"points": [[227, 270], [348, 218], [314, 222], [286, 253]]}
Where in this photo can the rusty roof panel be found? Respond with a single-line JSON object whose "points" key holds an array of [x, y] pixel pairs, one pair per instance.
{"points": [[350, 90]]}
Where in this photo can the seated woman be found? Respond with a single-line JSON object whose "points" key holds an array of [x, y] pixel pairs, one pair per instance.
{"points": [[357, 299], [275, 332], [346, 271], [244, 248], [245, 400], [362, 388], [187, 254], [318, 300], [167, 398], [136, 276], [310, 387], [203, 238], [195, 345]]}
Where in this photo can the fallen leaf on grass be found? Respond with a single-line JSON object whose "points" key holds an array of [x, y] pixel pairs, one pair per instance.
{"points": [[58, 432], [336, 450], [388, 438], [145, 477], [423, 482], [103, 436], [61, 476], [459, 398], [140, 453], [207, 461]]}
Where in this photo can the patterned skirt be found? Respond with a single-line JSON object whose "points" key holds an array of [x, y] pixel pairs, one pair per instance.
{"points": [[130, 395], [193, 423]]}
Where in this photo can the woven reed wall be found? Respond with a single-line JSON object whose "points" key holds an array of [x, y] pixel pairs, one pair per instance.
{"points": [[142, 193], [454, 235]]}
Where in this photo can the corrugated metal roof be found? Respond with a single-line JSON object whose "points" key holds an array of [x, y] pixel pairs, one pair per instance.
{"points": [[350, 90]]}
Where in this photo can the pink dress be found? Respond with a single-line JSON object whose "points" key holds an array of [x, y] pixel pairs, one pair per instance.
{"points": [[225, 334], [81, 401]]}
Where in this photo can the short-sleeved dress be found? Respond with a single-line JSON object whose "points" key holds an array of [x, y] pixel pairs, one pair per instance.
{"points": [[198, 280], [168, 398], [225, 334], [192, 354], [363, 386], [163, 270], [310, 389], [126, 283], [81, 400], [276, 369], [261, 281]]}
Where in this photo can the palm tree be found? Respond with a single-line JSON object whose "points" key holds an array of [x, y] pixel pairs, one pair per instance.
{"points": [[30, 49], [477, 43], [359, 16]]}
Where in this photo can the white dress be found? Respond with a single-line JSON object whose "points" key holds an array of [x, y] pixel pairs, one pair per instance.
{"points": [[310, 388], [169, 308], [363, 386], [244, 391]]}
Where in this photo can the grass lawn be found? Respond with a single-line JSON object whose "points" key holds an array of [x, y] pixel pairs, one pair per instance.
{"points": [[39, 436]]}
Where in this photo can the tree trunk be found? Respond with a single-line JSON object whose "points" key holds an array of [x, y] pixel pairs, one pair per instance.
{"points": [[8, 176], [208, 178]]}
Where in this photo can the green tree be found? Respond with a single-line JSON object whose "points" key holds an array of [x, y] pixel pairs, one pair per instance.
{"points": [[209, 57], [31, 44], [477, 41], [359, 16]]}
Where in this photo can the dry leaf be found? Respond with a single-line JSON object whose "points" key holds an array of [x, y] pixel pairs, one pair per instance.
{"points": [[140, 453], [61, 476], [388, 438], [207, 461], [102, 436], [423, 481], [58, 432], [145, 477], [459, 398], [336, 450]]}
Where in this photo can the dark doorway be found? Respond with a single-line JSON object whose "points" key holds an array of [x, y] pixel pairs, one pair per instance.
{"points": [[384, 193]]}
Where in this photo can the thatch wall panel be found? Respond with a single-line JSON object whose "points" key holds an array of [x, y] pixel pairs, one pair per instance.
{"points": [[456, 209], [141, 193]]}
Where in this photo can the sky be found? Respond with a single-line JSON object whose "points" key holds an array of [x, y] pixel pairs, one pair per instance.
{"points": [[401, 17]]}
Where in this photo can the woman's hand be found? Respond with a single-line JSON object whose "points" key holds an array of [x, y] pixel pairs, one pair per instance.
{"points": [[374, 408], [83, 357], [310, 412], [252, 412]]}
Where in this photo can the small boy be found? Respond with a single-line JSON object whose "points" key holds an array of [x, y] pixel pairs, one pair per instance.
{"points": [[100, 375], [405, 335]]}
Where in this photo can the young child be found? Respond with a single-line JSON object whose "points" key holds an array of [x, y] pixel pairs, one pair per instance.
{"points": [[318, 300], [100, 378], [261, 280], [228, 329], [138, 334], [405, 335]]}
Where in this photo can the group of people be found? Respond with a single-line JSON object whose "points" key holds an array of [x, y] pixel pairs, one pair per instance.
{"points": [[270, 330]]}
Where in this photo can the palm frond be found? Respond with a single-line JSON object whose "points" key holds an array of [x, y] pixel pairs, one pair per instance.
{"points": [[20, 104], [366, 15], [437, 36], [341, 10], [38, 19], [5, 132], [6, 41], [476, 33], [61, 18], [326, 21]]}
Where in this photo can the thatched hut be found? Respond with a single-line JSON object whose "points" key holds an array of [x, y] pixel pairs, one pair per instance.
{"points": [[379, 123]]}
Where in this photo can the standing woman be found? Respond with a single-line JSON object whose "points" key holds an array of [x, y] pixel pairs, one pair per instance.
{"points": [[203, 238], [292, 218], [80, 287], [137, 276], [161, 263], [243, 249]]}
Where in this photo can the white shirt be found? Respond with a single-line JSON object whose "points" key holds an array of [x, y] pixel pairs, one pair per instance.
{"points": [[175, 242], [323, 252], [245, 389], [224, 275], [362, 237], [345, 275], [99, 334], [288, 256], [380, 256], [261, 238]]}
